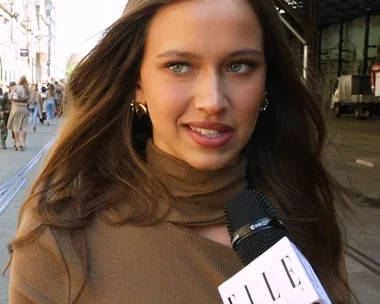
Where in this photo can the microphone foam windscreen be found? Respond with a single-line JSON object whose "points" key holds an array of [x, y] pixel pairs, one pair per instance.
{"points": [[244, 209]]}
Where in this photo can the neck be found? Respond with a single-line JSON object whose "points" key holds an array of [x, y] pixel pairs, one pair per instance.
{"points": [[197, 196]]}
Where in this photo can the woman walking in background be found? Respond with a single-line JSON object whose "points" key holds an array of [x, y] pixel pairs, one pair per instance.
{"points": [[50, 104], [43, 115], [18, 118], [35, 106]]}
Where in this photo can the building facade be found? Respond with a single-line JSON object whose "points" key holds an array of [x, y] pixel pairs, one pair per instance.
{"points": [[27, 40]]}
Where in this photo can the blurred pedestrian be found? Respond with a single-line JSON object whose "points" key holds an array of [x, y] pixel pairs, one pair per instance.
{"points": [[50, 104], [43, 115], [5, 108], [58, 98], [35, 105], [18, 117]]}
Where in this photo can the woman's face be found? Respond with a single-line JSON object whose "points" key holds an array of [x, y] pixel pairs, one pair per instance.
{"points": [[203, 80]]}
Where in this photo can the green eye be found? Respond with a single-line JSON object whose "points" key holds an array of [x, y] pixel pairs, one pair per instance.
{"points": [[177, 68], [241, 67], [235, 67]]}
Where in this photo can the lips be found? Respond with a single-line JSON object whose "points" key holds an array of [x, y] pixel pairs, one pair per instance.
{"points": [[208, 125], [210, 134]]}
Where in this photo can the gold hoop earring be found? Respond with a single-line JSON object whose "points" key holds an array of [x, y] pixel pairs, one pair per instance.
{"points": [[139, 109], [265, 104]]}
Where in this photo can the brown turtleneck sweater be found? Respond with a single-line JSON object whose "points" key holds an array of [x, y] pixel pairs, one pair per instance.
{"points": [[164, 263]]}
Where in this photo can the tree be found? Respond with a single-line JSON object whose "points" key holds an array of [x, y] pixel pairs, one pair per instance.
{"points": [[72, 62]]}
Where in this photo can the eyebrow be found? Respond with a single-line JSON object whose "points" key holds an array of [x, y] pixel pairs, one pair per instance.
{"points": [[189, 55]]}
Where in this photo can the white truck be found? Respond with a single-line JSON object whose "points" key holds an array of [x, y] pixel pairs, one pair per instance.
{"points": [[355, 94]]}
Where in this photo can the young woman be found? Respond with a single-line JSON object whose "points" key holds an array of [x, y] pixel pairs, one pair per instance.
{"points": [[35, 105], [167, 119], [18, 118], [50, 104], [43, 115]]}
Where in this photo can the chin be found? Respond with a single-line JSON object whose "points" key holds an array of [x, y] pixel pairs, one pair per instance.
{"points": [[210, 163]]}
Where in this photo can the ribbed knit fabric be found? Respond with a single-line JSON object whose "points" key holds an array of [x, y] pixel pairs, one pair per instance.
{"points": [[199, 196], [163, 263]]}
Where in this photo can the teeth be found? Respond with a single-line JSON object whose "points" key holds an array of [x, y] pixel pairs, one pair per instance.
{"points": [[207, 132]]}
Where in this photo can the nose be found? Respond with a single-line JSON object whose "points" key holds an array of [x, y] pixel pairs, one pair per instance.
{"points": [[211, 95]]}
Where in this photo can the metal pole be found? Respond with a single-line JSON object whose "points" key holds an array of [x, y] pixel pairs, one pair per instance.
{"points": [[303, 40], [293, 30], [12, 45], [305, 61], [49, 49], [305, 46], [314, 37], [340, 49], [366, 42]]}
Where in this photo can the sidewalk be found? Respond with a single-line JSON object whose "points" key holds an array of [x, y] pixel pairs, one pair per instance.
{"points": [[11, 162], [349, 141]]}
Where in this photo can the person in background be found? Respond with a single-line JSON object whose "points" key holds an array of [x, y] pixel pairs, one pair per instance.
{"points": [[5, 108], [50, 104], [18, 117], [35, 106], [58, 98], [181, 106], [43, 115]]}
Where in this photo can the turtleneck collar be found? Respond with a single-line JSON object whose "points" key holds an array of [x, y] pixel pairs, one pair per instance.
{"points": [[198, 196]]}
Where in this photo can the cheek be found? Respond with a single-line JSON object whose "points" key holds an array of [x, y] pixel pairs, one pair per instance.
{"points": [[166, 101], [247, 117], [247, 102], [160, 90]]}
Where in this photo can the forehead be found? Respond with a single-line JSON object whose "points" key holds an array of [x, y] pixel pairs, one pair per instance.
{"points": [[205, 23]]}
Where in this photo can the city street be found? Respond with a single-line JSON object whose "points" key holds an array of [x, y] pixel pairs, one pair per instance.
{"points": [[17, 173], [353, 158], [19, 169]]}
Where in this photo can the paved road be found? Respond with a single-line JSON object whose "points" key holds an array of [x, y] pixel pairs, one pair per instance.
{"points": [[349, 140], [18, 169], [363, 231]]}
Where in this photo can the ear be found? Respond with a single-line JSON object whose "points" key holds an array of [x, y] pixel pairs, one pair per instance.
{"points": [[139, 94]]}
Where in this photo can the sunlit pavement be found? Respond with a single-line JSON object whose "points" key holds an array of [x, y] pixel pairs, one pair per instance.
{"points": [[18, 169]]}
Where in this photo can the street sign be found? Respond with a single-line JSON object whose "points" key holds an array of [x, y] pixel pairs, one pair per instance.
{"points": [[24, 52]]}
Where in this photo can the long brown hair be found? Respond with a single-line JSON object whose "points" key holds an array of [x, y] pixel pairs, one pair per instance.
{"points": [[51, 91], [23, 81], [99, 160]]}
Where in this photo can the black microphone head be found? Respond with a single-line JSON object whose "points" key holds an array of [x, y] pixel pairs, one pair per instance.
{"points": [[245, 209]]}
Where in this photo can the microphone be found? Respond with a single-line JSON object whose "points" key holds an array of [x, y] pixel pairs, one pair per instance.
{"points": [[275, 271]]}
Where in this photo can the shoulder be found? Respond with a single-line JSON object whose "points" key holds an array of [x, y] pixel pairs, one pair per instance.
{"points": [[38, 270]]}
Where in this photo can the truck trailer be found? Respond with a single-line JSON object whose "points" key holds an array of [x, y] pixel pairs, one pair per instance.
{"points": [[358, 94]]}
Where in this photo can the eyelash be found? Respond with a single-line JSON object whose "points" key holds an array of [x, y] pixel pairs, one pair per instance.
{"points": [[249, 62], [171, 63]]}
